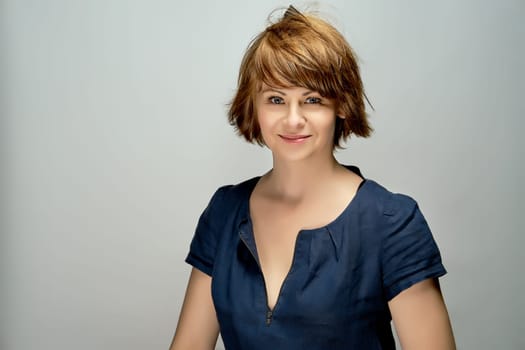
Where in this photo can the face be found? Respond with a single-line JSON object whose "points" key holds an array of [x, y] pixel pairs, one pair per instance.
{"points": [[296, 123]]}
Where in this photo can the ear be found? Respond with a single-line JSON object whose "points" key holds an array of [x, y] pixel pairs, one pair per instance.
{"points": [[340, 114]]}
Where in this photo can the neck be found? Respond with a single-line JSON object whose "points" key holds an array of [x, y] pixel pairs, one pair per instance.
{"points": [[295, 181]]}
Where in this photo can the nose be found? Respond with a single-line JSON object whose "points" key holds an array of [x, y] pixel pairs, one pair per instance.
{"points": [[295, 117]]}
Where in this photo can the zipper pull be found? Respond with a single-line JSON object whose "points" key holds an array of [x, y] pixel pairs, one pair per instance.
{"points": [[269, 314]]}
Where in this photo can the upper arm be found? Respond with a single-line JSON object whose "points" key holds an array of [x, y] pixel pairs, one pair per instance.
{"points": [[421, 319], [198, 327]]}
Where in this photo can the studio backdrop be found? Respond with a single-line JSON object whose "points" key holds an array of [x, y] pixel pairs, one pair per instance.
{"points": [[113, 137]]}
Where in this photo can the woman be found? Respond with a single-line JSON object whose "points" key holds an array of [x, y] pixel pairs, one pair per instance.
{"points": [[310, 255]]}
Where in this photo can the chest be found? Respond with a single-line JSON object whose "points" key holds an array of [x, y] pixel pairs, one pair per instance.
{"points": [[330, 280], [276, 229]]}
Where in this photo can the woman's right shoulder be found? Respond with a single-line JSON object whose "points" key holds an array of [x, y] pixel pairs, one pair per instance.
{"points": [[234, 194]]}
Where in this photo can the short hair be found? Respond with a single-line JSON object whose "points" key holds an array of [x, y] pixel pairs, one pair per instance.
{"points": [[306, 51]]}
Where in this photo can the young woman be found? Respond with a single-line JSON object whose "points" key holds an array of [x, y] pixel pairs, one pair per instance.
{"points": [[311, 255]]}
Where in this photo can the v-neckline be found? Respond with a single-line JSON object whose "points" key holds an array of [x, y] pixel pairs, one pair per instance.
{"points": [[250, 242]]}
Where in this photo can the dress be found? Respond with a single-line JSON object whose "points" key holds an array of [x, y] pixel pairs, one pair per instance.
{"points": [[342, 275]]}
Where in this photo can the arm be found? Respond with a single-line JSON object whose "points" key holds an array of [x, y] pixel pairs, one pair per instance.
{"points": [[198, 328], [421, 319]]}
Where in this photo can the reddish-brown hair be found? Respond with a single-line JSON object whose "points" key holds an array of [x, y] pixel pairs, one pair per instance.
{"points": [[301, 50]]}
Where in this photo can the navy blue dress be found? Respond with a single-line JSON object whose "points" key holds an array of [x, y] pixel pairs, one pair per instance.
{"points": [[342, 275]]}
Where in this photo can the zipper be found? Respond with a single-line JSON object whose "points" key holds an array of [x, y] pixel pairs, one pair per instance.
{"points": [[269, 315], [269, 311]]}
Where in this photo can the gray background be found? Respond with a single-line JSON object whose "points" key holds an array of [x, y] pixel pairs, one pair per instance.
{"points": [[113, 138]]}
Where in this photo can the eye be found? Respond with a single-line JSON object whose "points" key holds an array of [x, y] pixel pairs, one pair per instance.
{"points": [[313, 100], [276, 100]]}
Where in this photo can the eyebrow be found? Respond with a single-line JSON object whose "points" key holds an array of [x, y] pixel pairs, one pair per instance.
{"points": [[282, 93]]}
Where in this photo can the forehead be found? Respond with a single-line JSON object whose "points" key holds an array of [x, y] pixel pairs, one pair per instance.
{"points": [[285, 90]]}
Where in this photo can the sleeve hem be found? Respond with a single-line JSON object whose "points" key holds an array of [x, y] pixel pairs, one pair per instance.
{"points": [[199, 265], [435, 272]]}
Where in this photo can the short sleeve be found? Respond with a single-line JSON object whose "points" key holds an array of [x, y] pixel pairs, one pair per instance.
{"points": [[204, 243], [409, 252]]}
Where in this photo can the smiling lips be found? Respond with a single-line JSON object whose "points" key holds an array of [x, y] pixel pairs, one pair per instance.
{"points": [[294, 138]]}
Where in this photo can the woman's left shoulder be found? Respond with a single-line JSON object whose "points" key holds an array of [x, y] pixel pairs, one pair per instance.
{"points": [[384, 201]]}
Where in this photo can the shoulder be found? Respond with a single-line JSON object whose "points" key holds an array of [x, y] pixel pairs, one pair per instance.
{"points": [[225, 205], [382, 201], [376, 198], [227, 197], [237, 191]]}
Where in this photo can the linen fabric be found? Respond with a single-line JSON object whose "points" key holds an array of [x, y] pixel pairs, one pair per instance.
{"points": [[342, 275]]}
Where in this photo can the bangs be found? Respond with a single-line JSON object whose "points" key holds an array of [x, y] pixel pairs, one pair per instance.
{"points": [[286, 61]]}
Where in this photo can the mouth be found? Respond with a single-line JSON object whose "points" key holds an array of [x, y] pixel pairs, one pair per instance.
{"points": [[294, 138]]}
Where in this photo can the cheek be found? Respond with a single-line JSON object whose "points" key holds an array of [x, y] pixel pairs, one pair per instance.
{"points": [[328, 123], [264, 126], [265, 119], [327, 129]]}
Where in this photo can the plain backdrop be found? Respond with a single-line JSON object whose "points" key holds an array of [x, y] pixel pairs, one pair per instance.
{"points": [[113, 136]]}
